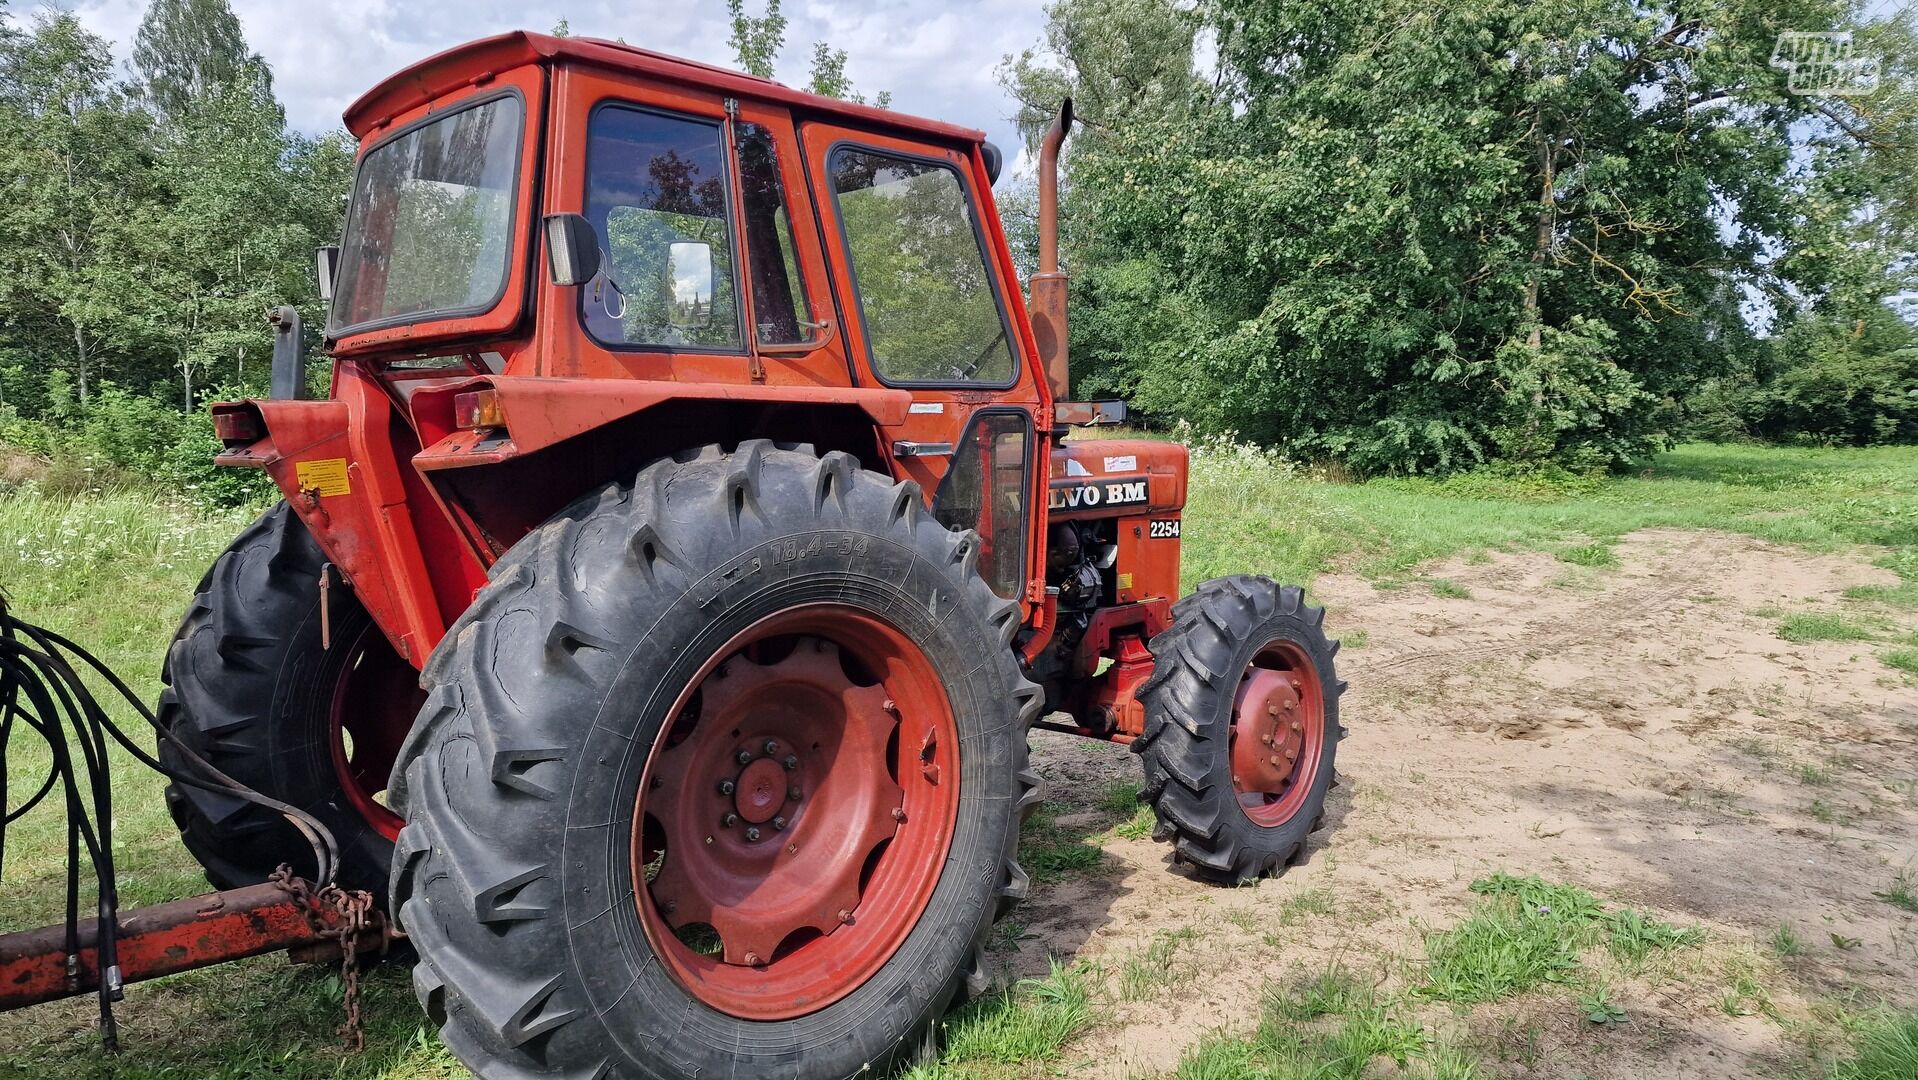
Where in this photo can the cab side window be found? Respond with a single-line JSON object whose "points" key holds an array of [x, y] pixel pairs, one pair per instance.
{"points": [[656, 192], [931, 313], [778, 290]]}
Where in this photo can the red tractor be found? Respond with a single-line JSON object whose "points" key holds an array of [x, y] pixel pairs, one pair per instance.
{"points": [[664, 592]]}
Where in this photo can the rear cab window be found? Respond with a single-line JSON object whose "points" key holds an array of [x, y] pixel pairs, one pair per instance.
{"points": [[430, 230]]}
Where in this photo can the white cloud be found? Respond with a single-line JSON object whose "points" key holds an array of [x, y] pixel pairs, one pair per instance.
{"points": [[937, 62]]}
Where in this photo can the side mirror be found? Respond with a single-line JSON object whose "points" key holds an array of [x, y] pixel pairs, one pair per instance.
{"points": [[689, 267], [572, 249], [327, 263]]}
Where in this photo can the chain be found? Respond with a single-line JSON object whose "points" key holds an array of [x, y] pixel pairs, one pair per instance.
{"points": [[352, 908]]}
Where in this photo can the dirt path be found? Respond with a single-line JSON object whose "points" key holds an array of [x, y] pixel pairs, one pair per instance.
{"points": [[1641, 731]]}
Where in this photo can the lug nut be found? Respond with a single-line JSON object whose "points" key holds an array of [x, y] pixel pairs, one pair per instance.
{"points": [[779, 823], [1271, 710], [669, 906], [899, 813], [725, 787], [744, 757], [772, 748], [845, 916], [752, 833], [752, 959], [791, 763], [1295, 683], [793, 793], [729, 821], [890, 706]]}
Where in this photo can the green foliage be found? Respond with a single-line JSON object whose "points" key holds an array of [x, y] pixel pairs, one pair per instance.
{"points": [[1903, 893], [1416, 239], [1821, 626], [1049, 851], [1597, 556], [1886, 1049], [1331, 1027], [1027, 1025], [1530, 931], [146, 228], [187, 50]]}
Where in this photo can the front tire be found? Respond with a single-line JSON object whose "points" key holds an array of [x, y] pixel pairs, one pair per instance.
{"points": [[637, 681], [1241, 728]]}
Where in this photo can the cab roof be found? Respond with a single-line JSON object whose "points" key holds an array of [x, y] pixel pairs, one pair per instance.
{"points": [[477, 61]]}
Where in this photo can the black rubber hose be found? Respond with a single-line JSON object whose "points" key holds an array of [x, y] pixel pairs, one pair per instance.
{"points": [[41, 689]]}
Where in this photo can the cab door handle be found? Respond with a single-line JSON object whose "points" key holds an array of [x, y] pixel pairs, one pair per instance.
{"points": [[904, 448]]}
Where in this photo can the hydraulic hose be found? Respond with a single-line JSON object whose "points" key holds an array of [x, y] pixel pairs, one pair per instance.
{"points": [[41, 689]]}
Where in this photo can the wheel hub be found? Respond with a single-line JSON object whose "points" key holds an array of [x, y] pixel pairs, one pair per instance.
{"points": [[761, 867], [759, 793], [1268, 731], [1278, 725]]}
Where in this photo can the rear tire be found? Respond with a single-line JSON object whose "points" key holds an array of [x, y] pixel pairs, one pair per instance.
{"points": [[535, 903], [1242, 727], [250, 688]]}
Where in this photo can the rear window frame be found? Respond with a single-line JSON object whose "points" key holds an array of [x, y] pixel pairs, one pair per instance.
{"points": [[986, 263], [513, 247]]}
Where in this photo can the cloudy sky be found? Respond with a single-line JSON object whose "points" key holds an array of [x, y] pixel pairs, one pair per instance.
{"points": [[937, 63]]}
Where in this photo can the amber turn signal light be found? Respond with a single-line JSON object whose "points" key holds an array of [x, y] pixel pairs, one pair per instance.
{"points": [[478, 409]]}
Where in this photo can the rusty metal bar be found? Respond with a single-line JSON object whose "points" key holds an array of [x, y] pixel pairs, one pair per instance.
{"points": [[169, 938]]}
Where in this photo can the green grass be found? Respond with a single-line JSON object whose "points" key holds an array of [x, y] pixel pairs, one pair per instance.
{"points": [[1447, 589], [1049, 852], [1784, 942], [1903, 893], [1025, 1026], [1155, 967], [1331, 1027], [1886, 1049], [1528, 931], [1823, 626], [1905, 660], [1814, 775], [1595, 556], [1249, 514]]}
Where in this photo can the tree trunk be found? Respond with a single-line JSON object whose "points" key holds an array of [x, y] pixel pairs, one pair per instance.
{"points": [[1542, 240], [80, 358]]}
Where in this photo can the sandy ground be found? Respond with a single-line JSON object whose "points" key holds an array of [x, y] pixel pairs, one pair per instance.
{"points": [[1641, 731]]}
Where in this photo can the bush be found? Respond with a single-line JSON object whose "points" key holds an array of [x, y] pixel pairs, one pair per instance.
{"points": [[1841, 383], [117, 437]]}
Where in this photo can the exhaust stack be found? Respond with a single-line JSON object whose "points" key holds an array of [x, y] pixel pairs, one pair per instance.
{"points": [[1047, 289]]}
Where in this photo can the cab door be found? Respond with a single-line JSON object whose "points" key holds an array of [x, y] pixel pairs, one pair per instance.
{"points": [[921, 276]]}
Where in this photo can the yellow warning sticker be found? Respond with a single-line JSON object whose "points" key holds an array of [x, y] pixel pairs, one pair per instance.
{"points": [[1125, 581], [324, 475]]}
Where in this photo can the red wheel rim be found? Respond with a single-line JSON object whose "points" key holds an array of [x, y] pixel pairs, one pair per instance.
{"points": [[793, 819], [1278, 733], [375, 700]]}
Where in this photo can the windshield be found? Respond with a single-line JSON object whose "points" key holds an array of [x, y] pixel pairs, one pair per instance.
{"points": [[430, 228]]}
